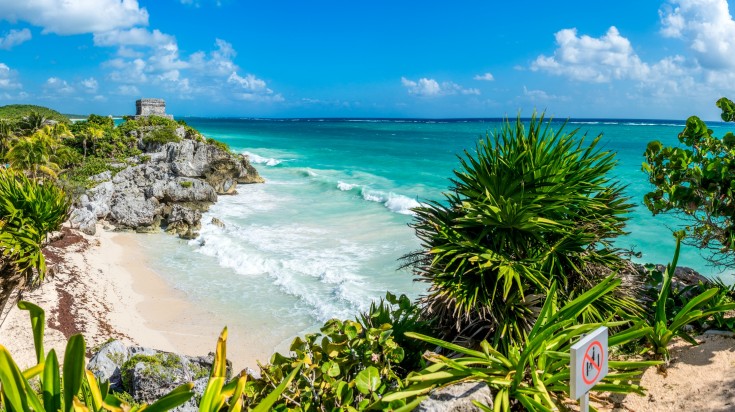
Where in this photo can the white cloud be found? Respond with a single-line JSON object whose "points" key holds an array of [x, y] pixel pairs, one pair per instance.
{"points": [[128, 90], [251, 88], [90, 85], [136, 36], [538, 95], [429, 88], [488, 77], [8, 78], [75, 17], [14, 38], [591, 59], [707, 27], [56, 85]]}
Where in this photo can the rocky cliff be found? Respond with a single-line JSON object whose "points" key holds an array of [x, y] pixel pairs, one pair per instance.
{"points": [[167, 187]]}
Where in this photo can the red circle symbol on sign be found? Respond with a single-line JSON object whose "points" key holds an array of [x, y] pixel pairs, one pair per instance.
{"points": [[594, 359]]}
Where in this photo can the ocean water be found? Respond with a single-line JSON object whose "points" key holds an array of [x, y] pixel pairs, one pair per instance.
{"points": [[323, 236]]}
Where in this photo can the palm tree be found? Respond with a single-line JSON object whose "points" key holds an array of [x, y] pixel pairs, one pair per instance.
{"points": [[530, 207], [33, 155], [29, 124], [6, 137]]}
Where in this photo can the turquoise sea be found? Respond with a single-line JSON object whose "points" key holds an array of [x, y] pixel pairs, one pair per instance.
{"points": [[323, 237]]}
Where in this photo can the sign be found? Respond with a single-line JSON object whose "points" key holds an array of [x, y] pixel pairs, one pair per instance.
{"points": [[588, 362]]}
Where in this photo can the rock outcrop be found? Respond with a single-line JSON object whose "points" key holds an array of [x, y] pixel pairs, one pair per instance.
{"points": [[148, 374], [168, 187], [457, 398]]}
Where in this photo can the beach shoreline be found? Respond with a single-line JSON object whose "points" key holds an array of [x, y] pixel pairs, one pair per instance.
{"points": [[102, 287]]}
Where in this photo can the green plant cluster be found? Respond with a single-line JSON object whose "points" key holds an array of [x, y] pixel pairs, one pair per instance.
{"points": [[349, 365], [28, 211], [161, 135], [697, 182]]}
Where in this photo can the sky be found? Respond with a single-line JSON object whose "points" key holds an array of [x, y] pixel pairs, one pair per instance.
{"points": [[380, 58]]}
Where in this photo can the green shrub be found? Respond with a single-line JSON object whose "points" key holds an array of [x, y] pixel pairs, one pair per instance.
{"points": [[348, 365], [161, 135], [530, 207], [696, 182], [28, 211], [534, 373], [221, 145], [92, 166], [186, 184]]}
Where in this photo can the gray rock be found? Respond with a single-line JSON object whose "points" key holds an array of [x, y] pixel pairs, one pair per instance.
{"points": [[218, 223], [147, 374], [102, 177], [251, 175], [106, 364], [130, 209], [182, 190], [457, 398], [184, 221], [97, 199], [83, 219]]}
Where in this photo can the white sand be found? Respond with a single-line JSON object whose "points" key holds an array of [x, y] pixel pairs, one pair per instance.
{"points": [[102, 288]]}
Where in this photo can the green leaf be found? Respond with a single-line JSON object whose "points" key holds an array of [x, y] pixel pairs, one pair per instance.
{"points": [[38, 322], [368, 380], [51, 383], [73, 370]]}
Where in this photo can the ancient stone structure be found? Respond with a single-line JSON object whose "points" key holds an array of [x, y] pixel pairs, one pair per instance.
{"points": [[148, 107]]}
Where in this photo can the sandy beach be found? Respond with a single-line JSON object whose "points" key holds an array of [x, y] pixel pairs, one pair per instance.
{"points": [[100, 286]]}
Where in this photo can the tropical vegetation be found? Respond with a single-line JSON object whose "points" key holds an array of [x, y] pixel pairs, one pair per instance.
{"points": [[697, 183], [531, 207]]}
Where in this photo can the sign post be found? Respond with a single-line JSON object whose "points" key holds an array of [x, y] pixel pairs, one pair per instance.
{"points": [[588, 365]]}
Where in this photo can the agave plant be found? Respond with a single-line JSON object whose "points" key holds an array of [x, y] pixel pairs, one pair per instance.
{"points": [[532, 206], [533, 373], [28, 211]]}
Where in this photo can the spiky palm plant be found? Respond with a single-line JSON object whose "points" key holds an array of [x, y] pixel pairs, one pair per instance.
{"points": [[530, 207], [28, 211]]}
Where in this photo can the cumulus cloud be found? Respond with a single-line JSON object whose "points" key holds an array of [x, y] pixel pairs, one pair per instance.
{"points": [[488, 77], [251, 88], [136, 36], [8, 78], [89, 85], [14, 38], [426, 87], [591, 59], [75, 17], [707, 27], [56, 85], [128, 90]]}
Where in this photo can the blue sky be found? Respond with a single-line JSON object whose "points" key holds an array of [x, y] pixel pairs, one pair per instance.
{"points": [[623, 59]]}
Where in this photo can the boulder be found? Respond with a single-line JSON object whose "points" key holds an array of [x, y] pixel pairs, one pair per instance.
{"points": [[457, 398], [83, 219], [97, 199], [148, 374], [220, 224], [131, 209], [184, 221], [182, 190], [251, 175]]}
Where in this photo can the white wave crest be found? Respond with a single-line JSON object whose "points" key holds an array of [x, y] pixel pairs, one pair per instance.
{"points": [[393, 202], [345, 187], [257, 159]]}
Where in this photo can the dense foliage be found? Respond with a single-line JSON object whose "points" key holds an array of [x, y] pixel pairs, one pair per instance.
{"points": [[349, 365], [17, 112], [697, 182], [530, 207], [533, 373], [28, 211]]}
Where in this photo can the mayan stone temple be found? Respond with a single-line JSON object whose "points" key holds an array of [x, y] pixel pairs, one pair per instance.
{"points": [[148, 107]]}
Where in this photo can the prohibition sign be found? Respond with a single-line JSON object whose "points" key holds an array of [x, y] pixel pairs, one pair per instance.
{"points": [[592, 362]]}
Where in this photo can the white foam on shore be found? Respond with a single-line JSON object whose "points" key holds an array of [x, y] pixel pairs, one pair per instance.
{"points": [[346, 187]]}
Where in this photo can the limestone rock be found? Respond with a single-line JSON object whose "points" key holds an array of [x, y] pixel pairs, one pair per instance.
{"points": [[184, 221], [218, 223], [97, 199], [457, 398], [83, 219], [251, 174], [147, 374], [131, 209]]}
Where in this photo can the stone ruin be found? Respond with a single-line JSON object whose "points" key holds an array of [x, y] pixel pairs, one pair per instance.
{"points": [[151, 107]]}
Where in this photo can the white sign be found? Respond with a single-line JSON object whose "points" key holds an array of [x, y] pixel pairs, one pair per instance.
{"points": [[588, 362]]}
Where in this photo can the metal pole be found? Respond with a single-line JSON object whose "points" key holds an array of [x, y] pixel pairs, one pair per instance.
{"points": [[584, 403]]}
